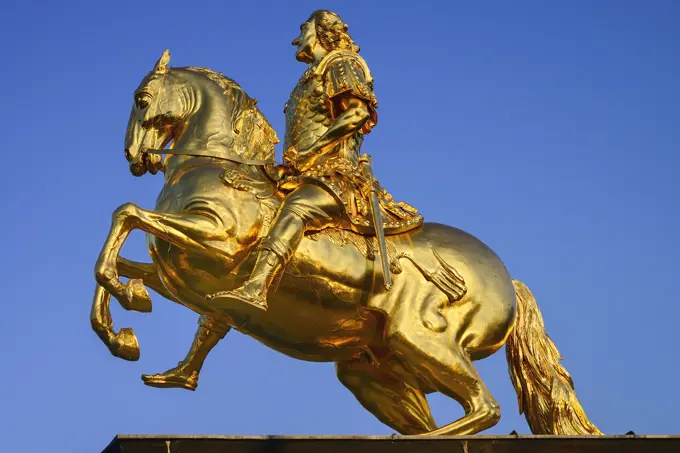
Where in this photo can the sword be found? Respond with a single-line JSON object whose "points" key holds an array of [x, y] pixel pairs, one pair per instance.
{"points": [[378, 222]]}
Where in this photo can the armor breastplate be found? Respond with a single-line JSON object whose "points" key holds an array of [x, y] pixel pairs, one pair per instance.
{"points": [[308, 113], [308, 117]]}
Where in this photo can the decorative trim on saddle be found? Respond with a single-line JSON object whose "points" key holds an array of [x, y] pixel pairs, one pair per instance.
{"points": [[264, 189], [240, 179], [445, 277]]}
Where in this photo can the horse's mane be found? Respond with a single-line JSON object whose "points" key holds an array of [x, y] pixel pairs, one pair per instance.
{"points": [[254, 136]]}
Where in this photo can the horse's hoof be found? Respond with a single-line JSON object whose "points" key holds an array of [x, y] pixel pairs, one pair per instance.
{"points": [[124, 345], [137, 296], [172, 379]]}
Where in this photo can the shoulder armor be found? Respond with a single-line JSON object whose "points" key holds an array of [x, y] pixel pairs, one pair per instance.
{"points": [[344, 71], [339, 55]]}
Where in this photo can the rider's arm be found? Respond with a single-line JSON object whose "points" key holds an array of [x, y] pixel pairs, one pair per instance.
{"points": [[353, 115]]}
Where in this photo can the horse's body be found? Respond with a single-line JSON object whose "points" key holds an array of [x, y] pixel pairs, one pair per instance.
{"points": [[330, 304], [314, 313]]}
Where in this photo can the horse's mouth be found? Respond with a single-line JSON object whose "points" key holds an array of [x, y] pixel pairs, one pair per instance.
{"points": [[150, 163], [139, 167]]}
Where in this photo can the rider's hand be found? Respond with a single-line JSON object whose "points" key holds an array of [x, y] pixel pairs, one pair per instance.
{"points": [[291, 155], [282, 171], [305, 162], [300, 160]]}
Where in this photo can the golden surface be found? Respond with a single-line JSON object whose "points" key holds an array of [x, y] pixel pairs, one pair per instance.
{"points": [[288, 254]]}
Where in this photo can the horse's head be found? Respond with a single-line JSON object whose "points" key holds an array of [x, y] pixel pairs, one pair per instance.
{"points": [[199, 110], [156, 113]]}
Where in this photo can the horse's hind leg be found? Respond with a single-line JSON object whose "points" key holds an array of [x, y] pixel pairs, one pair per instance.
{"points": [[389, 392], [124, 343], [185, 374], [447, 369]]}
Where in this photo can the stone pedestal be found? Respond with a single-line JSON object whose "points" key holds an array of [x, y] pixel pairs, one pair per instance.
{"points": [[396, 444]]}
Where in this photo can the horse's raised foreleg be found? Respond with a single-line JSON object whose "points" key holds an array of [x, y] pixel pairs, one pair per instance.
{"points": [[121, 344], [124, 343], [141, 275], [390, 393], [209, 332], [187, 231]]}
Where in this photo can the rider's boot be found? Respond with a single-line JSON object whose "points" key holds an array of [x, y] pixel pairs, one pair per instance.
{"points": [[307, 207], [251, 298], [185, 374]]}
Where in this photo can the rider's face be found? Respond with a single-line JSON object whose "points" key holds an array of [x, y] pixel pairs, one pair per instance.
{"points": [[306, 43]]}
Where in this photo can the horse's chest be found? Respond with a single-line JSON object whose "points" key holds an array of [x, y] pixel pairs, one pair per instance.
{"points": [[188, 200], [189, 187]]}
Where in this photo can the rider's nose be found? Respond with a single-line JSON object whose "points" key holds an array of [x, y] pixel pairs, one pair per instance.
{"points": [[296, 42], [128, 156]]}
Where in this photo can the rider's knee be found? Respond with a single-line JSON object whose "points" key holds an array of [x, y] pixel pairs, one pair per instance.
{"points": [[314, 208], [296, 215]]}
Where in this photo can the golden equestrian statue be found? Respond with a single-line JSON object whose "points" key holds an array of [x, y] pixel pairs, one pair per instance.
{"points": [[313, 257]]}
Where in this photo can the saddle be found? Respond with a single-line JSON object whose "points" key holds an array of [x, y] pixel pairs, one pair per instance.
{"points": [[257, 180]]}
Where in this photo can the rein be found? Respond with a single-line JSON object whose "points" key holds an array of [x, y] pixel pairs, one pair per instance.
{"points": [[208, 153]]}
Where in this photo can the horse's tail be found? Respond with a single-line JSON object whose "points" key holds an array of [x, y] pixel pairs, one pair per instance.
{"points": [[544, 388]]}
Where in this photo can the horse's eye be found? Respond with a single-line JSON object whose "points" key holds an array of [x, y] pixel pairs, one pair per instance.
{"points": [[142, 101]]}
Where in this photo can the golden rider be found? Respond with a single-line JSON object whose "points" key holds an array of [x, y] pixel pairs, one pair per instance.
{"points": [[327, 115]]}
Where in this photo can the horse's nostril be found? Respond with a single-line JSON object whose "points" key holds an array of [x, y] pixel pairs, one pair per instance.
{"points": [[128, 156]]}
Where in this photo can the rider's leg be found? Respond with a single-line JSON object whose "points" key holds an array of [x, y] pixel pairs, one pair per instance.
{"points": [[185, 374], [309, 207]]}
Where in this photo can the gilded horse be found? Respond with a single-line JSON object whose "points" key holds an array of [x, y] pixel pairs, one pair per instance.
{"points": [[452, 299]]}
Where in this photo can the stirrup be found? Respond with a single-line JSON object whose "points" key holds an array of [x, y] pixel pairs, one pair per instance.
{"points": [[239, 301], [172, 379]]}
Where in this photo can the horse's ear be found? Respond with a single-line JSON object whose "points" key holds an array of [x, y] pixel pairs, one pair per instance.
{"points": [[162, 63]]}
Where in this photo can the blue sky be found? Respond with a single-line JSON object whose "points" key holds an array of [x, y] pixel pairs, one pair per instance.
{"points": [[548, 130]]}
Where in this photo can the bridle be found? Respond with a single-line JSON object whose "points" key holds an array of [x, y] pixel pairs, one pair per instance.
{"points": [[208, 153]]}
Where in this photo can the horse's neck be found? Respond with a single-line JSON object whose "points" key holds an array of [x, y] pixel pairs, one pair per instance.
{"points": [[249, 185], [206, 127]]}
